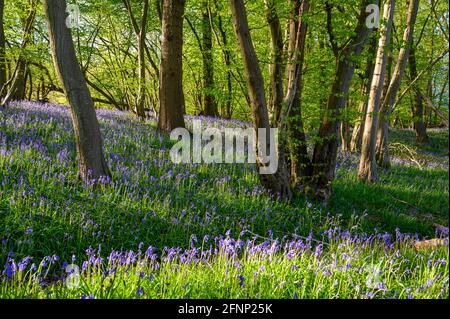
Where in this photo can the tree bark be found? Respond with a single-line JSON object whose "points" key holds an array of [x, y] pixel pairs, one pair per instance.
{"points": [[277, 184], [358, 130], [91, 161], [29, 76], [292, 54], [368, 164], [300, 161], [223, 42], [417, 107], [345, 133], [2, 48], [17, 90], [325, 150], [140, 32], [140, 105], [209, 101], [394, 86], [276, 67], [171, 70]]}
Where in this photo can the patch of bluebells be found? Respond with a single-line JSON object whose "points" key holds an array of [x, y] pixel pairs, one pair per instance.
{"points": [[234, 250]]}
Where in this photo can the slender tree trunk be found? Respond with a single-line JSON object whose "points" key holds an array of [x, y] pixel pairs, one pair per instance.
{"points": [[300, 161], [140, 105], [345, 132], [325, 150], [140, 32], [227, 112], [276, 67], [18, 84], [228, 104], [441, 99], [209, 101], [417, 108], [292, 54], [388, 76], [429, 92], [30, 84], [358, 130], [278, 183], [17, 90], [394, 86], [368, 164], [2, 48], [91, 160], [171, 77], [158, 6]]}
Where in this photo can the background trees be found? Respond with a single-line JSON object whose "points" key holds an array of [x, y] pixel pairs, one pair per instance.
{"points": [[315, 61], [394, 85]]}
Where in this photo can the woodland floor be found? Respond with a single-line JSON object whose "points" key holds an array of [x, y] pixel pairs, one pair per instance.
{"points": [[46, 214]]}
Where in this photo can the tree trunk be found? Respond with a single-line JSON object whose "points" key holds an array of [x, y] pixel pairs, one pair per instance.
{"points": [[300, 161], [18, 84], [30, 84], [394, 86], [345, 134], [91, 160], [358, 130], [277, 184], [209, 101], [171, 70], [140, 32], [292, 54], [368, 164], [17, 90], [325, 150], [417, 108], [2, 48], [276, 67], [140, 105], [227, 111]]}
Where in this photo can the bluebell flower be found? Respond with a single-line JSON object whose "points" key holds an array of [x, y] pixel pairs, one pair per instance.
{"points": [[241, 281], [24, 263], [9, 271]]}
